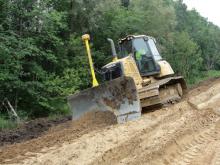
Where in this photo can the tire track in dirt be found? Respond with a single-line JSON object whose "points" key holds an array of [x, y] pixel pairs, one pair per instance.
{"points": [[216, 159], [184, 147], [109, 138], [126, 147], [152, 143], [216, 149], [195, 148], [112, 156], [207, 153]]}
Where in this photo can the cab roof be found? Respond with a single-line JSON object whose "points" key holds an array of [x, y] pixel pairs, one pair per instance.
{"points": [[130, 37]]}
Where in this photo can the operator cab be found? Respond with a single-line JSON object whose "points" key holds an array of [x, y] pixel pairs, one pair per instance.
{"points": [[143, 49]]}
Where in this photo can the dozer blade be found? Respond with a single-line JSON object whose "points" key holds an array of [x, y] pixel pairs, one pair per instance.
{"points": [[119, 96]]}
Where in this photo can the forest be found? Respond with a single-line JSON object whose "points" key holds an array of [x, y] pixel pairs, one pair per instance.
{"points": [[43, 58]]}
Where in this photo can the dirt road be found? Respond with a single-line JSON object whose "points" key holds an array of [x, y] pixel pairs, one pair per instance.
{"points": [[184, 133]]}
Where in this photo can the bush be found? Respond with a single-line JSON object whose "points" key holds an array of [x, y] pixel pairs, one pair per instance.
{"points": [[6, 123], [204, 76]]}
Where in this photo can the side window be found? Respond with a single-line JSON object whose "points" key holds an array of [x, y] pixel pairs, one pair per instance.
{"points": [[154, 50], [125, 48]]}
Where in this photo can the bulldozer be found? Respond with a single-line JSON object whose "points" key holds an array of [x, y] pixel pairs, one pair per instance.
{"points": [[137, 78]]}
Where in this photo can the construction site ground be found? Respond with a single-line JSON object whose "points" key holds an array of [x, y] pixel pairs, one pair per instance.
{"points": [[185, 133]]}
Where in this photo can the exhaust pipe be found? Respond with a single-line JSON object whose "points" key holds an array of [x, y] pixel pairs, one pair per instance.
{"points": [[114, 54]]}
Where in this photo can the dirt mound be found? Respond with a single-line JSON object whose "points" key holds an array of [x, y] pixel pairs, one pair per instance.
{"points": [[57, 135], [29, 130], [206, 96], [203, 86]]}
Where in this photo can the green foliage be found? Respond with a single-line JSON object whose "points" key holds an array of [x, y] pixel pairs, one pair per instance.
{"points": [[184, 55], [43, 59], [204, 76], [204, 33], [6, 123], [213, 73]]}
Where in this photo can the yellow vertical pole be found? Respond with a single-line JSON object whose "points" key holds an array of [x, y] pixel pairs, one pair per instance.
{"points": [[86, 39]]}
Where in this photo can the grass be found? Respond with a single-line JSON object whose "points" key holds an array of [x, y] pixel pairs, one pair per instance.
{"points": [[213, 74], [6, 123], [205, 76], [54, 116]]}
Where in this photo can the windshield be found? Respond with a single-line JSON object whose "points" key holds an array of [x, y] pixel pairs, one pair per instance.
{"points": [[144, 57], [144, 52], [140, 46]]}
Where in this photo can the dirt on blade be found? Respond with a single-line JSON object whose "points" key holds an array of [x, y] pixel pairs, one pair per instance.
{"points": [[184, 133]]}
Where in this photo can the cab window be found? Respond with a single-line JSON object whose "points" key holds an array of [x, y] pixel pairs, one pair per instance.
{"points": [[125, 49], [141, 47]]}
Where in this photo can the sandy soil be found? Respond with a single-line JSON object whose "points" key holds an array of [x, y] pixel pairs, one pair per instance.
{"points": [[185, 133]]}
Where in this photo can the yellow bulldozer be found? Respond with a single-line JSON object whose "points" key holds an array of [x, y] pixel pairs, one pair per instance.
{"points": [[138, 77]]}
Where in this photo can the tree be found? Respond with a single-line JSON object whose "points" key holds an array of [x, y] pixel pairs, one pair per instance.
{"points": [[204, 33], [125, 3], [184, 55], [43, 59]]}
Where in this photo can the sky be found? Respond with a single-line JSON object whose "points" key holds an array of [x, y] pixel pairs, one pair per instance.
{"points": [[207, 8]]}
